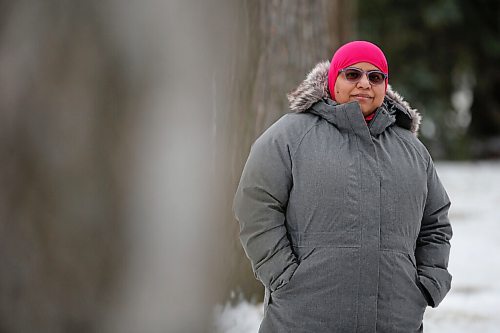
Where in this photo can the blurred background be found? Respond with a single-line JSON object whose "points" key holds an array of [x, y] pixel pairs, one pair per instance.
{"points": [[124, 127]]}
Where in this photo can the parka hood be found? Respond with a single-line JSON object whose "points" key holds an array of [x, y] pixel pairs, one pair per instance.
{"points": [[315, 88]]}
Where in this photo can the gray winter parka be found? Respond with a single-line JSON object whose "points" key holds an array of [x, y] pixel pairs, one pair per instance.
{"points": [[345, 224]]}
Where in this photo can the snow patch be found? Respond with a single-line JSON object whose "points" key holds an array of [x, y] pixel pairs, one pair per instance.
{"points": [[244, 317]]}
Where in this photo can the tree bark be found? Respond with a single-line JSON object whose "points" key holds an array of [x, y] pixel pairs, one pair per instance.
{"points": [[280, 42]]}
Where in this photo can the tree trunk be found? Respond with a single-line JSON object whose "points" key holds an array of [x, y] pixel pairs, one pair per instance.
{"points": [[64, 99], [279, 43]]}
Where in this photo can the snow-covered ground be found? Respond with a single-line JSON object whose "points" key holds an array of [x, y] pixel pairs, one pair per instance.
{"points": [[473, 304]]}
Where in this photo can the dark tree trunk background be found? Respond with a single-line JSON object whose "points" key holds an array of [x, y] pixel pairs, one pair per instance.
{"points": [[62, 108]]}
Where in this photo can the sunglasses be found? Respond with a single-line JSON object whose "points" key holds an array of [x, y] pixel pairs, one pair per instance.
{"points": [[353, 75]]}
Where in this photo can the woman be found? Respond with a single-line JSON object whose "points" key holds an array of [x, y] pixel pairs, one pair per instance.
{"points": [[342, 214]]}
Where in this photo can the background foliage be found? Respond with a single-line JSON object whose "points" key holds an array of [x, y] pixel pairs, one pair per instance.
{"points": [[443, 56]]}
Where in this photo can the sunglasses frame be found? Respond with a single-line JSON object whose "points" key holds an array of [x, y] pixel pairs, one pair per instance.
{"points": [[362, 72]]}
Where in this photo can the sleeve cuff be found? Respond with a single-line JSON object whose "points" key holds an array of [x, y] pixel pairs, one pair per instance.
{"points": [[431, 292], [277, 271]]}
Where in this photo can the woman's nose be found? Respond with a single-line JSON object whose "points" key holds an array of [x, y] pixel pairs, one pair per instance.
{"points": [[364, 82]]}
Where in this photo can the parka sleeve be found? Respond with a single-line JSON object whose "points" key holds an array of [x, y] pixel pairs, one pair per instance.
{"points": [[433, 242], [260, 207]]}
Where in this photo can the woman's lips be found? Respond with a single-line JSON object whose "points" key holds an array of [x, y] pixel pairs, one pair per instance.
{"points": [[362, 97]]}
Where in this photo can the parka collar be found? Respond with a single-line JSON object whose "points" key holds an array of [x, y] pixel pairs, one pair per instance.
{"points": [[312, 96], [348, 116]]}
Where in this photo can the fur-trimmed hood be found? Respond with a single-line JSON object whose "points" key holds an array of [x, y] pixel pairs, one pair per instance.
{"points": [[315, 87]]}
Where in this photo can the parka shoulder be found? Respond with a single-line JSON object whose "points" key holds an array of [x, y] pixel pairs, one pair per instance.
{"points": [[288, 130]]}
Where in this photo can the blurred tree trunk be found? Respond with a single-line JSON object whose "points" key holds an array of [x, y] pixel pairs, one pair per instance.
{"points": [[62, 109], [280, 42], [107, 157]]}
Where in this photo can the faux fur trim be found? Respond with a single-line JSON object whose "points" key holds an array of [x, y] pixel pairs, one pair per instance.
{"points": [[315, 88], [312, 89], [416, 118]]}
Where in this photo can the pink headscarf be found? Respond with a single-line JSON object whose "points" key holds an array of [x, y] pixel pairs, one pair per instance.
{"points": [[354, 52]]}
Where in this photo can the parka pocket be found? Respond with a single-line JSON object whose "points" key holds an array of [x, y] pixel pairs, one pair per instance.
{"points": [[420, 287], [302, 255]]}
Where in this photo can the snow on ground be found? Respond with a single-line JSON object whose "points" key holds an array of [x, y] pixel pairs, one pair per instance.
{"points": [[244, 317], [473, 304]]}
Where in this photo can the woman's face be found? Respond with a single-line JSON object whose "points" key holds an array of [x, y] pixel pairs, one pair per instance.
{"points": [[369, 96]]}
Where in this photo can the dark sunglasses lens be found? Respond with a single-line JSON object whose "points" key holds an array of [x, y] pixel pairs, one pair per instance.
{"points": [[376, 77], [353, 74]]}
